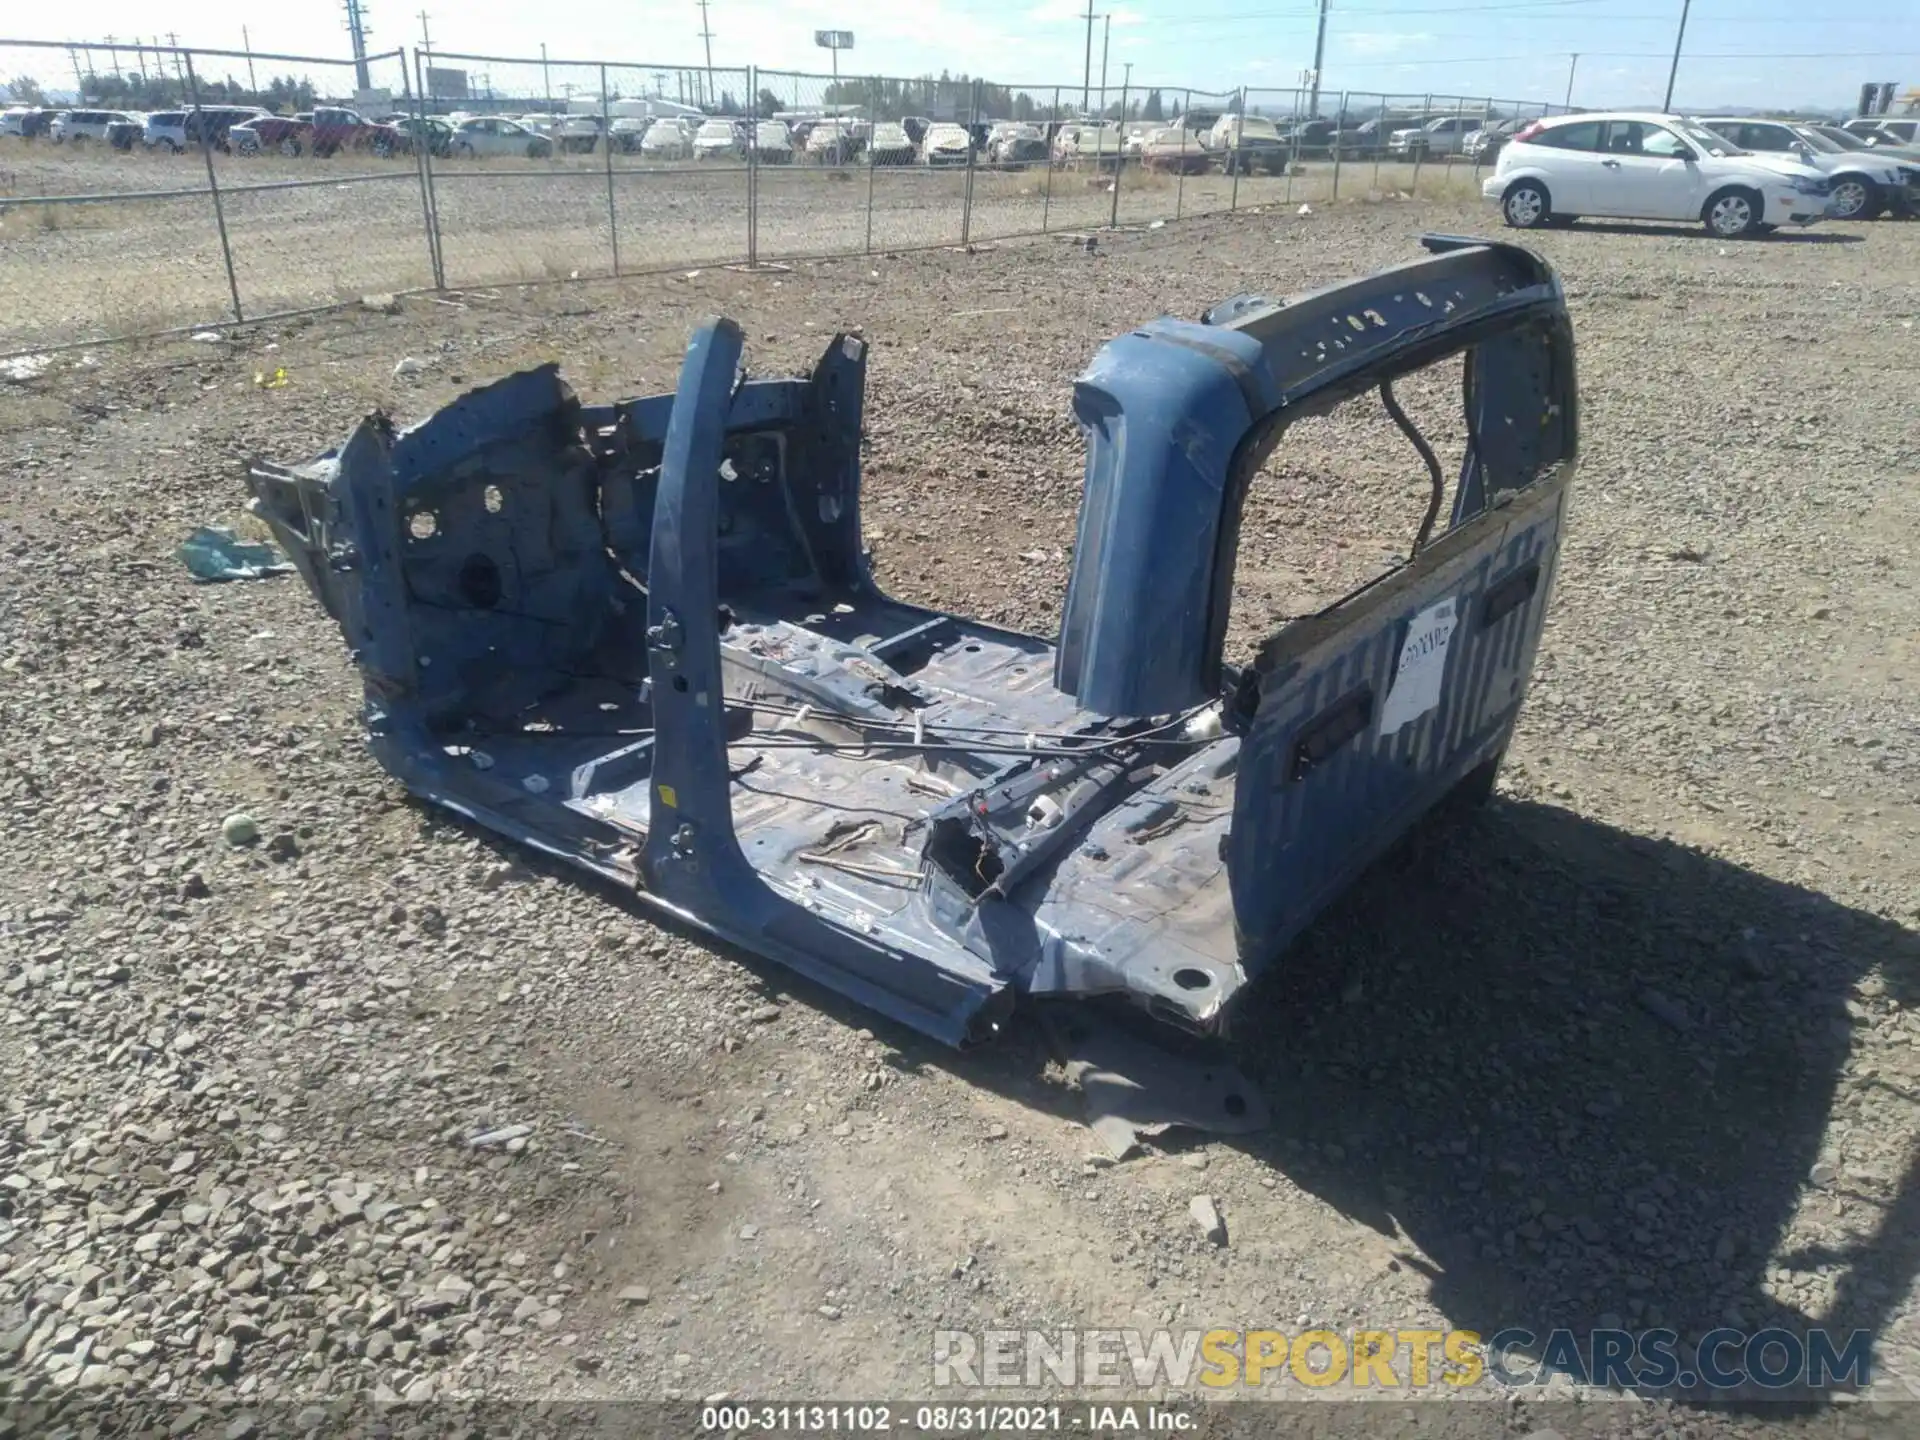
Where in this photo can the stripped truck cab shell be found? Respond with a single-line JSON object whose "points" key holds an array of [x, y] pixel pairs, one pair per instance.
{"points": [[642, 637]]}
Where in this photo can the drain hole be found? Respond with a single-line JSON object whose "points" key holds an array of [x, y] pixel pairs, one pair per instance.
{"points": [[1235, 1105], [1188, 978], [480, 582]]}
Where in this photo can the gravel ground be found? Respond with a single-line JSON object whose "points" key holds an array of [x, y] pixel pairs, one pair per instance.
{"points": [[135, 266], [379, 1103]]}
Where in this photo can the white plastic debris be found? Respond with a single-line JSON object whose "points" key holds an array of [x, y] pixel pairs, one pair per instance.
{"points": [[1304, 210], [207, 337], [408, 366], [22, 368]]}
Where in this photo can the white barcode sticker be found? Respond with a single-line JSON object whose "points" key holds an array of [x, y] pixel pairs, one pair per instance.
{"points": [[1423, 665]]}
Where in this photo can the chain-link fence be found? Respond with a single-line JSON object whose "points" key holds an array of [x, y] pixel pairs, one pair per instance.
{"points": [[175, 188], [147, 188]]}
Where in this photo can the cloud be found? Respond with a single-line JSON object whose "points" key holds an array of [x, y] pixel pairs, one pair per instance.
{"points": [[1381, 42]]}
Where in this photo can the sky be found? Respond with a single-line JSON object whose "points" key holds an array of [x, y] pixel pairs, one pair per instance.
{"points": [[1762, 53]]}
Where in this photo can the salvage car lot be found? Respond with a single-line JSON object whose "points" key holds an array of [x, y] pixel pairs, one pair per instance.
{"points": [[354, 225], [1636, 1044]]}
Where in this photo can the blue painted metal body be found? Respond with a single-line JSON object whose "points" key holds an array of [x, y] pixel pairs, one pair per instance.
{"points": [[643, 637]]}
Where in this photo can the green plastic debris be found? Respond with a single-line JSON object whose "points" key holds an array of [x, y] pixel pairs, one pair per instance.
{"points": [[214, 552]]}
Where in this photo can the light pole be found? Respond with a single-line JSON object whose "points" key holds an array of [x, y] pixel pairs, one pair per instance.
{"points": [[1086, 76], [1319, 54], [1106, 34], [1572, 61], [1685, 5], [706, 35]]}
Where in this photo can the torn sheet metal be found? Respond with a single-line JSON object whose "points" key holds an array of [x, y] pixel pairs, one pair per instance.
{"points": [[642, 636]]}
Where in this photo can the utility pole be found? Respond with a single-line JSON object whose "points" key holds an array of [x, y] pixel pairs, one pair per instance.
{"points": [[113, 58], [246, 43], [1319, 54], [546, 82], [1685, 5], [357, 32], [79, 83], [706, 36], [1106, 34], [426, 40], [1126, 84], [1572, 61], [1086, 76]]}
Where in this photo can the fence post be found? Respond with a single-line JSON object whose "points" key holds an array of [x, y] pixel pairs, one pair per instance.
{"points": [[1233, 161], [430, 196], [1046, 203], [606, 148], [1293, 150], [213, 187], [966, 203], [1413, 186], [1119, 162], [873, 89], [422, 142], [753, 171], [1339, 143], [1380, 138], [1180, 170]]}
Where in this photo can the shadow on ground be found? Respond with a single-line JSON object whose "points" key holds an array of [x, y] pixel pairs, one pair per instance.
{"points": [[1584, 1078], [1777, 237], [1581, 1078]]}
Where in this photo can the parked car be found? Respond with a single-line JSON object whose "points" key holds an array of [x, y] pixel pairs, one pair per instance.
{"points": [[125, 134], [1311, 138], [1848, 140], [1886, 129], [1647, 166], [1088, 142], [834, 142], [410, 127], [1483, 146], [216, 123], [668, 138], [1865, 183], [324, 131], [571, 134], [541, 123], [1433, 138], [716, 140], [1246, 143], [772, 145], [1368, 140], [891, 145], [492, 135], [80, 125], [27, 122], [1175, 151], [627, 131], [166, 130], [916, 127], [946, 144], [1016, 144]]}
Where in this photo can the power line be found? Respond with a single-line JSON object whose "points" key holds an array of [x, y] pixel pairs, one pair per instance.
{"points": [[1632, 55]]}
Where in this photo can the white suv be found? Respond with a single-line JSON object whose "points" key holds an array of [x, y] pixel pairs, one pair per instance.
{"points": [[1637, 165], [89, 124]]}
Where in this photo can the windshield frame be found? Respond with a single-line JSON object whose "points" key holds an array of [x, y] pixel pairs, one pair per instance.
{"points": [[1704, 138]]}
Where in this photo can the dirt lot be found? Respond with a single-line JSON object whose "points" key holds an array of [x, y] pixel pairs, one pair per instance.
{"points": [[1635, 1045], [135, 266]]}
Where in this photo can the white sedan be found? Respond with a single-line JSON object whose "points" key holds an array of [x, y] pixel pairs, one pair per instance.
{"points": [[497, 135], [1646, 166]]}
